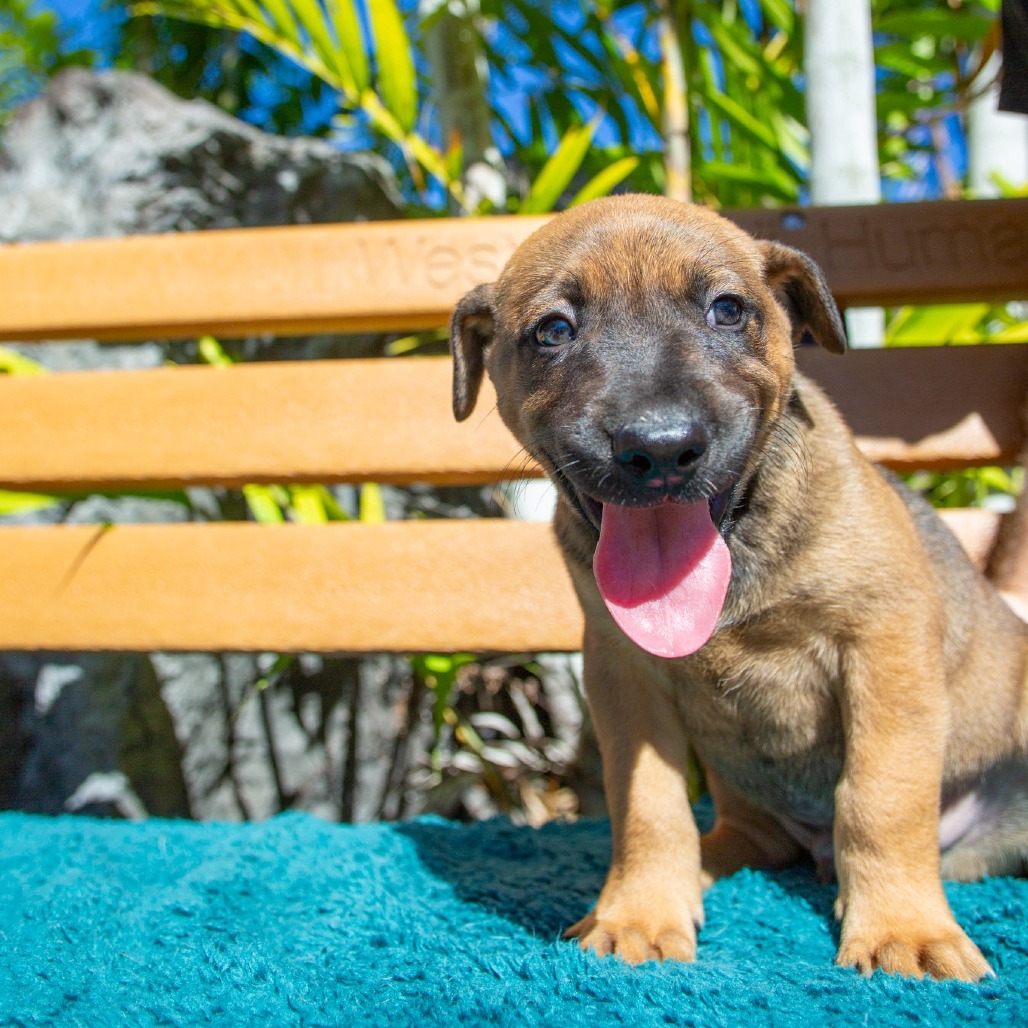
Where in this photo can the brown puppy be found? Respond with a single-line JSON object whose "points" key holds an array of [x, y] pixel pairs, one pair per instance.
{"points": [[751, 585]]}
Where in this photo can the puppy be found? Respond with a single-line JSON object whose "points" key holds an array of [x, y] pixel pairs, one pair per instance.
{"points": [[752, 587]]}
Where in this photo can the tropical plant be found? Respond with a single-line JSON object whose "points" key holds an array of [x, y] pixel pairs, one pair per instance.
{"points": [[232, 71], [932, 59], [364, 54], [33, 47], [705, 93], [957, 324], [717, 81], [700, 96]]}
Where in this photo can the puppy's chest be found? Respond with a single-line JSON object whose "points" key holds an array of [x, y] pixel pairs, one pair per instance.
{"points": [[766, 720]]}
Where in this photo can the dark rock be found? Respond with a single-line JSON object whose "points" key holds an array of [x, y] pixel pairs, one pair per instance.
{"points": [[112, 153]]}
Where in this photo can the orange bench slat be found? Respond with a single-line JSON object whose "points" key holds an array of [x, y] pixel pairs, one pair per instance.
{"points": [[436, 586], [401, 586], [407, 275], [390, 420]]}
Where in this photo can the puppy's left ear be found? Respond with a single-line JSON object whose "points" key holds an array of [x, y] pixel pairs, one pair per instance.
{"points": [[802, 290], [471, 330]]}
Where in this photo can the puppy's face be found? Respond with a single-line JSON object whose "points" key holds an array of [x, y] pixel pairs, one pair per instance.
{"points": [[641, 349]]}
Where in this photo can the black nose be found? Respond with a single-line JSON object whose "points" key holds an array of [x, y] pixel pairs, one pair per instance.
{"points": [[660, 449]]}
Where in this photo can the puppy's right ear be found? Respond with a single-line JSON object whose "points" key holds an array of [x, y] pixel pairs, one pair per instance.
{"points": [[471, 330], [802, 290]]}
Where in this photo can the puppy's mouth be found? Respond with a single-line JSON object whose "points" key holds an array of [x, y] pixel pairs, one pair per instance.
{"points": [[662, 569], [721, 505]]}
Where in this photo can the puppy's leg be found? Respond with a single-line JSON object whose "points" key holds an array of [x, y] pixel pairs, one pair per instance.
{"points": [[743, 836], [651, 904], [894, 912]]}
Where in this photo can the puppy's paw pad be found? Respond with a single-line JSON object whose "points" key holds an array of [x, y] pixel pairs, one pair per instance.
{"points": [[634, 943], [942, 955]]}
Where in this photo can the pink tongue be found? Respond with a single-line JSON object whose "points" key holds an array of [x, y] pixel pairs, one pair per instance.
{"points": [[663, 573]]}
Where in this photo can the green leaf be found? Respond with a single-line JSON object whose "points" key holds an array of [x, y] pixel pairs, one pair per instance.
{"points": [[1007, 189], [439, 672], [428, 341], [314, 505], [312, 20], [734, 42], [454, 158], [557, 173], [372, 505], [306, 505], [940, 22], [898, 57], [351, 41], [605, 182], [195, 15], [635, 75], [769, 181], [741, 119], [179, 496], [266, 503], [997, 480], [397, 78], [19, 503], [282, 15], [793, 139], [432, 161], [332, 508], [1014, 334], [273, 25], [283, 662], [935, 324], [13, 363], [247, 8], [780, 13], [212, 352]]}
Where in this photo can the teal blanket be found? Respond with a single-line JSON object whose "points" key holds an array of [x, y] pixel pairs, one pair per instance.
{"points": [[297, 922]]}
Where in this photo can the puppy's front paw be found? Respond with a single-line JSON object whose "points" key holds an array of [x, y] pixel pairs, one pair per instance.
{"points": [[940, 951], [637, 935]]}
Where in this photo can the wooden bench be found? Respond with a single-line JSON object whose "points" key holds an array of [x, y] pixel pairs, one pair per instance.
{"points": [[426, 585]]}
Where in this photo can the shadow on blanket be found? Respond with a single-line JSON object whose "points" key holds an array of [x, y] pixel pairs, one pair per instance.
{"points": [[510, 871], [294, 921]]}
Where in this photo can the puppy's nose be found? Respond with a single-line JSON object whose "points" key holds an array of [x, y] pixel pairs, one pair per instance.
{"points": [[660, 451]]}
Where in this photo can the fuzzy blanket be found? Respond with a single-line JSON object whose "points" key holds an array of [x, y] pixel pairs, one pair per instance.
{"points": [[297, 922]]}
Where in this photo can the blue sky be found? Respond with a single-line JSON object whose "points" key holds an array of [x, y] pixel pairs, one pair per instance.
{"points": [[89, 26]]}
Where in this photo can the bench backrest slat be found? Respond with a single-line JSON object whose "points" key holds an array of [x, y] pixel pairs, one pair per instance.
{"points": [[436, 586], [408, 275], [390, 420], [961, 251], [399, 586]]}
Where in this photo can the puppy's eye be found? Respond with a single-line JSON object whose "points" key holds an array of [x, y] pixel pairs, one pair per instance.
{"points": [[555, 331], [726, 312]]}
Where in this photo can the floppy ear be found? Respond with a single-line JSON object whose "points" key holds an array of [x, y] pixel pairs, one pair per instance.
{"points": [[471, 329], [802, 290]]}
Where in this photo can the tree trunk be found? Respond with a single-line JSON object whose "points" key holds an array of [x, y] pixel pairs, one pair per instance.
{"points": [[460, 90], [839, 67], [674, 26]]}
